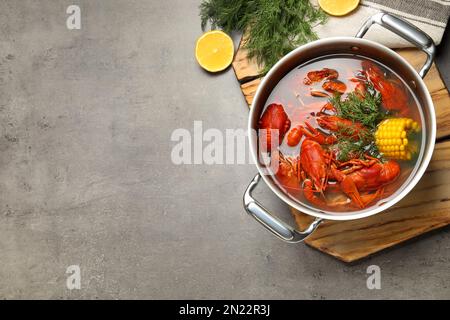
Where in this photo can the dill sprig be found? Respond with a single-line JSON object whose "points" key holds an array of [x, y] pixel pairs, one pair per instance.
{"points": [[348, 148], [273, 27], [366, 111]]}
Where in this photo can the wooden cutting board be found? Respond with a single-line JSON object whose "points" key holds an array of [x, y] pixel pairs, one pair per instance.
{"points": [[426, 208]]}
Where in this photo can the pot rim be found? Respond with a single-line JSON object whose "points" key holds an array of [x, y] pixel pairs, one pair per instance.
{"points": [[407, 185]]}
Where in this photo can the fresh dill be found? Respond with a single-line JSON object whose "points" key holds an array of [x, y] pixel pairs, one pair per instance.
{"points": [[366, 111], [347, 148], [272, 28]]}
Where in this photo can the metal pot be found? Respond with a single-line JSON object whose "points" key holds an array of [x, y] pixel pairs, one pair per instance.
{"points": [[339, 45]]}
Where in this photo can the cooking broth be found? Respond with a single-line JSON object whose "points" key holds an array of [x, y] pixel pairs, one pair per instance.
{"points": [[302, 96]]}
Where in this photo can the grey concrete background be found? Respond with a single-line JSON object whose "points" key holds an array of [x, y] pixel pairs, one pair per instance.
{"points": [[86, 177]]}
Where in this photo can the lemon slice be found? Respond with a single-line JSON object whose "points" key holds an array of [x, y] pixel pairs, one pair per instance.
{"points": [[338, 7], [214, 51]]}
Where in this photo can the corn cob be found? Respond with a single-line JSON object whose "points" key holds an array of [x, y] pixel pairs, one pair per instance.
{"points": [[392, 140]]}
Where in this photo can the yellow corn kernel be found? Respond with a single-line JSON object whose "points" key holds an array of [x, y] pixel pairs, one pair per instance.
{"points": [[392, 137]]}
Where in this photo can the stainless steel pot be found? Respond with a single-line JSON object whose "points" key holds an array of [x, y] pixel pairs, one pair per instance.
{"points": [[340, 45]]}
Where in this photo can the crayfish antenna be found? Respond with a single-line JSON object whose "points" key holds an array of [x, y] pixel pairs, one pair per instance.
{"points": [[323, 195]]}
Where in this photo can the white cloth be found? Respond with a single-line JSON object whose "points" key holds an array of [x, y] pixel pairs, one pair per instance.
{"points": [[430, 16]]}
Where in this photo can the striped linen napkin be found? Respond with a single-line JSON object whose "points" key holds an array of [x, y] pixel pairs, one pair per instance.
{"points": [[431, 16]]}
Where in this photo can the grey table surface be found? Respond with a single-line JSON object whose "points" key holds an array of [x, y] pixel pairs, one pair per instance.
{"points": [[86, 176]]}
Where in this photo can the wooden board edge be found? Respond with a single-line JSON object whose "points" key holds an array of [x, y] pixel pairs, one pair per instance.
{"points": [[357, 257]]}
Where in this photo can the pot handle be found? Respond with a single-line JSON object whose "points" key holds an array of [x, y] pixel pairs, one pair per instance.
{"points": [[405, 30], [274, 225]]}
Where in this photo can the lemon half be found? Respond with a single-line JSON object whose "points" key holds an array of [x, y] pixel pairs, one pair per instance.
{"points": [[214, 51], [338, 7]]}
